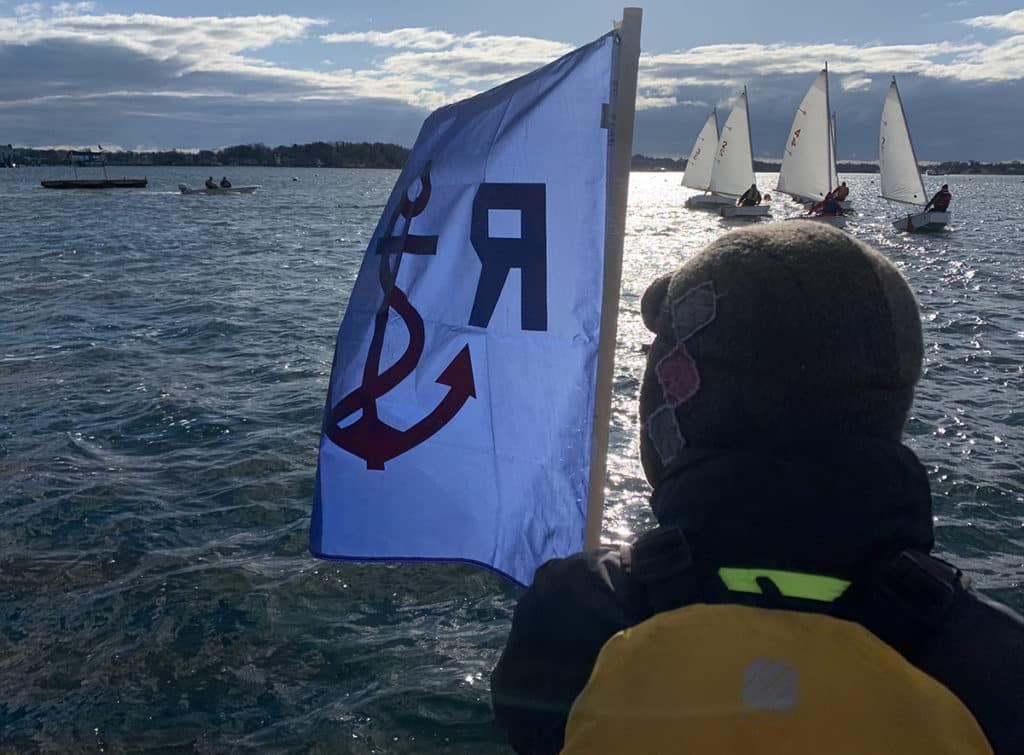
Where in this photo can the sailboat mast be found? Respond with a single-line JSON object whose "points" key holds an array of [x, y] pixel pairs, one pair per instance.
{"points": [[750, 137], [828, 133]]}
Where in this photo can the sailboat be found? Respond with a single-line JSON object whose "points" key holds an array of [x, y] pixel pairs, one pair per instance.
{"points": [[808, 170], [733, 171], [897, 163], [699, 166]]}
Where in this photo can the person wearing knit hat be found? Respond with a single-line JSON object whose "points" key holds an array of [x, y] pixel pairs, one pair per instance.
{"points": [[775, 394]]}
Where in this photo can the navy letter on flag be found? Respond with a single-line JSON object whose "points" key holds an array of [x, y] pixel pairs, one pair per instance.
{"points": [[459, 411]]}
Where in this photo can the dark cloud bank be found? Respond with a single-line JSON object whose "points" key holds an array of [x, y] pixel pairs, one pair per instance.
{"points": [[42, 104]]}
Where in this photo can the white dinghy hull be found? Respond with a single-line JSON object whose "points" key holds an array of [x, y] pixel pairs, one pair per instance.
{"points": [[844, 206], [834, 220], [932, 220], [708, 201], [757, 211]]}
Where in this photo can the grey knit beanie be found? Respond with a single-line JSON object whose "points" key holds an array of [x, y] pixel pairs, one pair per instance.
{"points": [[784, 335]]}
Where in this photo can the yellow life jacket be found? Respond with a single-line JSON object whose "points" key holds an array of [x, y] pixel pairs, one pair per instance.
{"points": [[723, 678]]}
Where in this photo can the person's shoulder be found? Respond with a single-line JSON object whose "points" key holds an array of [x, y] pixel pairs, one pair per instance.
{"points": [[980, 613], [560, 624], [987, 635], [592, 581], [978, 653]]}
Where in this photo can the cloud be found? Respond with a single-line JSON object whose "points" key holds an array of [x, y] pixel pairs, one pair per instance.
{"points": [[745, 61], [203, 55], [854, 83], [28, 10], [473, 61], [412, 38], [646, 103], [37, 9], [182, 44], [216, 75], [1012, 21], [73, 9]]}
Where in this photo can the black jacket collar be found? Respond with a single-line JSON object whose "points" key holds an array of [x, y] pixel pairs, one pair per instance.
{"points": [[829, 510]]}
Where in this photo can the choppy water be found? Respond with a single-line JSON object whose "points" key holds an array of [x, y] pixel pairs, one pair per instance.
{"points": [[163, 366]]}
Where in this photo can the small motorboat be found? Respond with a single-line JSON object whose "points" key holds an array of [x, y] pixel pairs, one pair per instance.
{"points": [[218, 190]]}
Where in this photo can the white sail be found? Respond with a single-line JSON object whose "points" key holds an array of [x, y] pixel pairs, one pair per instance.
{"points": [[733, 172], [701, 160], [833, 175], [808, 169], [900, 177]]}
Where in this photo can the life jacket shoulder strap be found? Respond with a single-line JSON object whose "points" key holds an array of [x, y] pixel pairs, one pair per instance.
{"points": [[661, 562], [905, 599], [902, 599]]}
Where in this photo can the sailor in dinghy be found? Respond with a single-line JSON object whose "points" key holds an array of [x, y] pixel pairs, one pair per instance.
{"points": [[808, 169], [940, 201], [733, 170], [899, 174]]}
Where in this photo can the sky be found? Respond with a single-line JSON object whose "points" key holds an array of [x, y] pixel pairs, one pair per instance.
{"points": [[186, 74]]}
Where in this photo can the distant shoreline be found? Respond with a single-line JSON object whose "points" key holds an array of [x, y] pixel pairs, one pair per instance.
{"points": [[393, 156], [948, 168], [313, 155]]}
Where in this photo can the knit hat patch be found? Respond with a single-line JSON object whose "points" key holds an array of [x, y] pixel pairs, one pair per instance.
{"points": [[677, 371], [663, 430], [678, 376], [693, 310]]}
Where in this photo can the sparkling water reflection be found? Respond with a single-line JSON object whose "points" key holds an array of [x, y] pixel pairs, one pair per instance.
{"points": [[163, 365]]}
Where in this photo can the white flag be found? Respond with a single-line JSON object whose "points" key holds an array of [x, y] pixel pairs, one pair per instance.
{"points": [[459, 412]]}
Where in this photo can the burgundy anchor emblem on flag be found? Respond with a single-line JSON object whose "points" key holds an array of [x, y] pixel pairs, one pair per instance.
{"points": [[369, 437]]}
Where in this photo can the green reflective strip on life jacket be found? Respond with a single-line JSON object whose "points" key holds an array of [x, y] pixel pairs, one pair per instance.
{"points": [[792, 584]]}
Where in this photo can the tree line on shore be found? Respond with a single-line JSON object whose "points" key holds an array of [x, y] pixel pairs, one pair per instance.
{"points": [[950, 167], [383, 155], [315, 155]]}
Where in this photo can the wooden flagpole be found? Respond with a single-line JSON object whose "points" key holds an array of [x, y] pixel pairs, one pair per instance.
{"points": [[624, 104]]}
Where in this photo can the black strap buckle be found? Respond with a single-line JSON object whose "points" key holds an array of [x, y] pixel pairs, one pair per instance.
{"points": [[903, 601], [925, 586]]}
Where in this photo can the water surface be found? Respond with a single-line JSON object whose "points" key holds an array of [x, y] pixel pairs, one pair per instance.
{"points": [[163, 367]]}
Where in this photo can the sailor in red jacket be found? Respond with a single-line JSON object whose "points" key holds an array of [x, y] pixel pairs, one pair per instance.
{"points": [[940, 202]]}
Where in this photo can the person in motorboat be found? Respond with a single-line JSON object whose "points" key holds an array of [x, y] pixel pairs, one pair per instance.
{"points": [[787, 600], [210, 183], [940, 202], [225, 183], [750, 197]]}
